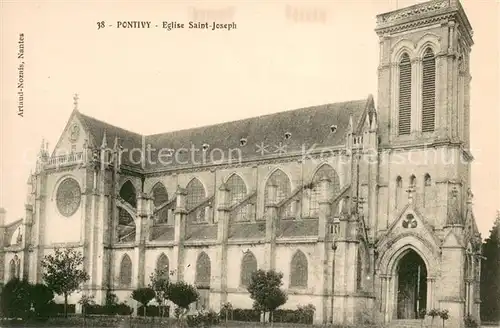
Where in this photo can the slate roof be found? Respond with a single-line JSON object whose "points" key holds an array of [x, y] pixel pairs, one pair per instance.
{"points": [[306, 126], [127, 139]]}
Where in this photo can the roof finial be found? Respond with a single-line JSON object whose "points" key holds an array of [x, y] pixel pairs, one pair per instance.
{"points": [[75, 101], [410, 191], [104, 143]]}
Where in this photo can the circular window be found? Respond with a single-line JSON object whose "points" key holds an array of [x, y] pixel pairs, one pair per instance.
{"points": [[68, 197]]}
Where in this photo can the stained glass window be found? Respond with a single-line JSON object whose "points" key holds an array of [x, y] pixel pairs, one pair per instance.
{"points": [[126, 271], [325, 171], [128, 194], [126, 226], [237, 192], [195, 195], [160, 195], [203, 271], [68, 197], [248, 266], [298, 270], [163, 265], [283, 190]]}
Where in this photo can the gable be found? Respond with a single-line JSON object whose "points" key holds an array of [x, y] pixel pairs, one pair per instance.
{"points": [[451, 240], [72, 138], [410, 222]]}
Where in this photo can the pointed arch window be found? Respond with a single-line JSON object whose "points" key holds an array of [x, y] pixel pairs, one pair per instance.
{"points": [[237, 193], [404, 116], [202, 280], [428, 91], [18, 268], [399, 191], [325, 171], [359, 270], [126, 226], [298, 270], [195, 195], [203, 271], [12, 269], [412, 181], [126, 271], [160, 195], [248, 266], [128, 193], [283, 190], [162, 265], [427, 191]]}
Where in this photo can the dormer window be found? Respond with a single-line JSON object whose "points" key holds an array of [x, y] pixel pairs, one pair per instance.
{"points": [[333, 128], [205, 147], [243, 141], [288, 135]]}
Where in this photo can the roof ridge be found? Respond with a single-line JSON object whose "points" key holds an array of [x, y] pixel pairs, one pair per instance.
{"points": [[260, 116]]}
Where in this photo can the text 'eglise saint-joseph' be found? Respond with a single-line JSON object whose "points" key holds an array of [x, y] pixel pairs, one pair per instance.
{"points": [[172, 25]]}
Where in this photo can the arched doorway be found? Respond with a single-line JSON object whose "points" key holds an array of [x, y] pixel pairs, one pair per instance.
{"points": [[411, 285]]}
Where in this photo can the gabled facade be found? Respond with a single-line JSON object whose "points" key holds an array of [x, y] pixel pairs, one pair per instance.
{"points": [[367, 210]]}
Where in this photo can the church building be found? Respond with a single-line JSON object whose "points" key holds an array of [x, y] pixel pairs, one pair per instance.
{"points": [[365, 207]]}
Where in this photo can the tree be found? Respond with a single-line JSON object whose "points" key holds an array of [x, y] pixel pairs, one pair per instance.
{"points": [[264, 289], [159, 282], [490, 271], [15, 299], [41, 295], [63, 273], [182, 295], [86, 301], [143, 295]]}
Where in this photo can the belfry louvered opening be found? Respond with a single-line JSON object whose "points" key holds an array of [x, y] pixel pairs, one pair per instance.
{"points": [[428, 91], [404, 95]]}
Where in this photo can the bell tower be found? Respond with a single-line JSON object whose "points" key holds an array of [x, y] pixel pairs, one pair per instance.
{"points": [[423, 75]]}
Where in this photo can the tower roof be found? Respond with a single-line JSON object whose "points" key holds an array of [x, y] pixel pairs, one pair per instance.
{"points": [[424, 14]]}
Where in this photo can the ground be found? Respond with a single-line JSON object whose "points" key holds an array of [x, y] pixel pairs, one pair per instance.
{"points": [[132, 322]]}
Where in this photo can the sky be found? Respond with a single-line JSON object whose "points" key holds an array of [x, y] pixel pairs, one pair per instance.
{"points": [[152, 80]]}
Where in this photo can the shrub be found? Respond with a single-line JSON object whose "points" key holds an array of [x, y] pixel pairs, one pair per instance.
{"points": [[182, 294], [203, 319], [248, 315], [154, 311], [15, 300], [143, 296], [109, 309], [40, 296], [264, 289], [444, 315], [303, 314], [469, 322]]}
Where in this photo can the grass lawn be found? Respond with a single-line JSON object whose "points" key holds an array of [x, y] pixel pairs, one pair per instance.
{"points": [[133, 322]]}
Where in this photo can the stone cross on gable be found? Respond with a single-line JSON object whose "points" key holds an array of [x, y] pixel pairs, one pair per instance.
{"points": [[410, 191], [75, 101]]}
